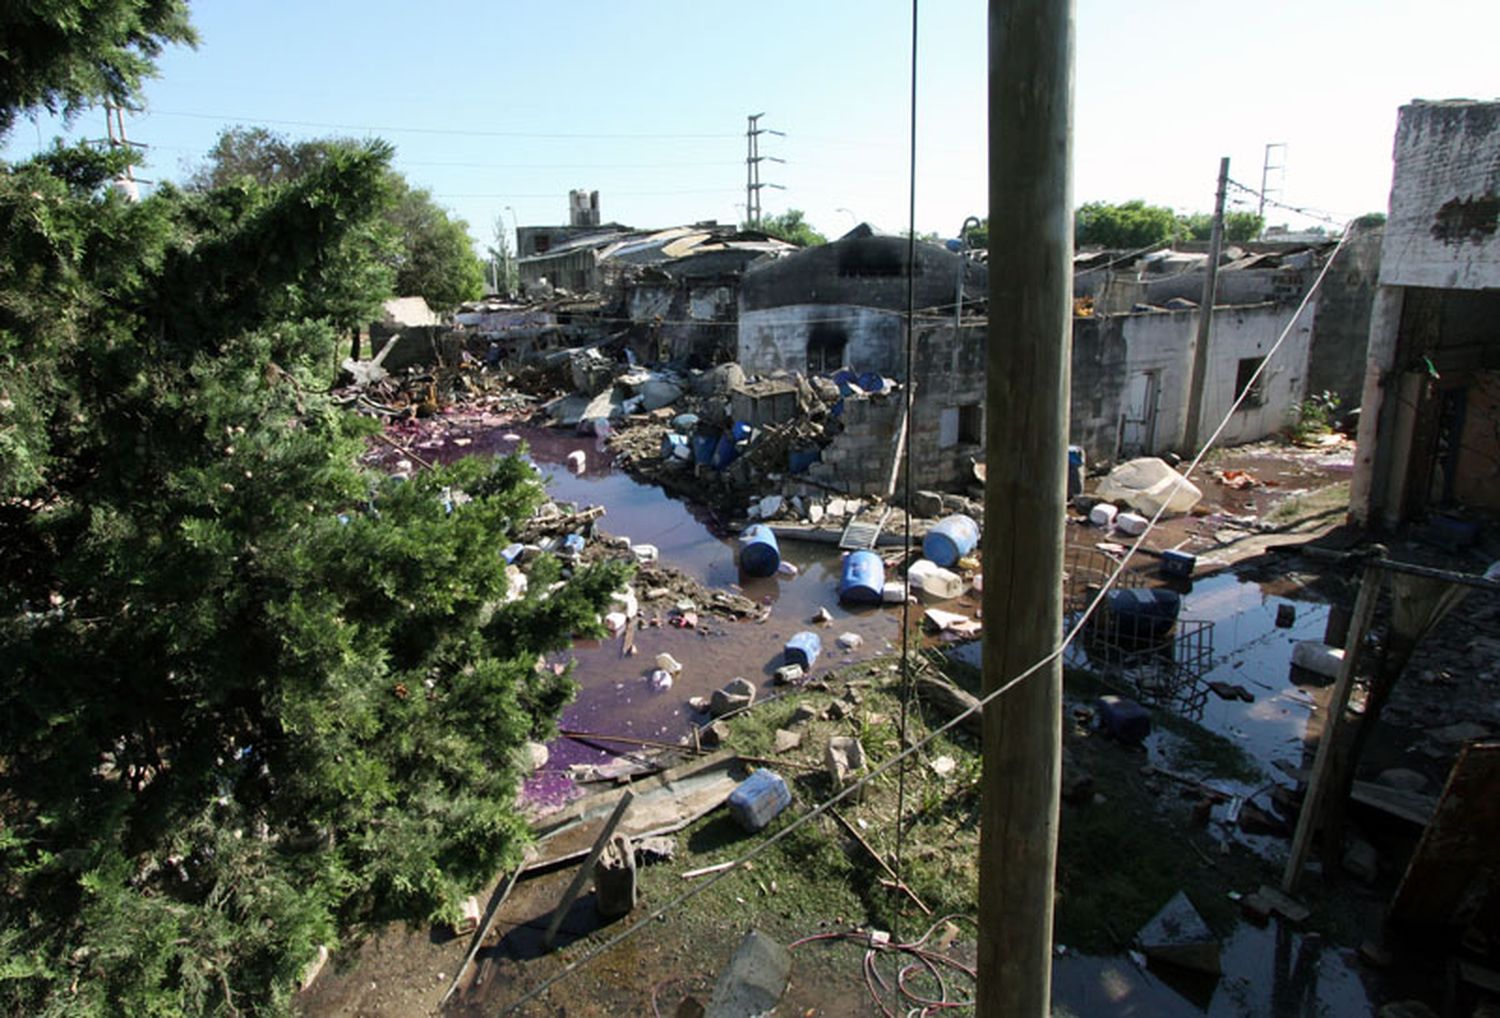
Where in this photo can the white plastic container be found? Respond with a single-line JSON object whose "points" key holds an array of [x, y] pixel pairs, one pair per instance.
{"points": [[667, 663], [934, 581], [1133, 524], [1103, 515], [645, 554], [893, 593], [576, 461], [1318, 658]]}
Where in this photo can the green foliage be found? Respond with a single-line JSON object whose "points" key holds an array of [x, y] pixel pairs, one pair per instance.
{"points": [[436, 257], [427, 253], [60, 56], [1239, 227], [1315, 416], [791, 227], [979, 236], [1130, 225], [1134, 224], [249, 692]]}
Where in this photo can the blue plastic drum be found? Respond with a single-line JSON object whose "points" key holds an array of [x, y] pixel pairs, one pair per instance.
{"points": [[950, 539], [760, 555], [863, 580]]}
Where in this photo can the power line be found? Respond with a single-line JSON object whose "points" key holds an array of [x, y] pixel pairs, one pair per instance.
{"points": [[462, 132], [1309, 213], [1072, 634]]}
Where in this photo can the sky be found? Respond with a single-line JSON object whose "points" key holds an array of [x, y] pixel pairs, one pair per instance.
{"points": [[500, 107]]}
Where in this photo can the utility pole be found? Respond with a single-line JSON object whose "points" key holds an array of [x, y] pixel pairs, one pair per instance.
{"points": [[1265, 175], [1027, 385], [1205, 317], [753, 159], [114, 123]]}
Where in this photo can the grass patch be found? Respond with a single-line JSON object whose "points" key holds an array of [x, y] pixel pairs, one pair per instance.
{"points": [[1311, 505]]}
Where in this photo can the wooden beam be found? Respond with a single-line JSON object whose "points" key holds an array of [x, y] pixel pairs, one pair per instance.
{"points": [[1319, 781], [587, 869]]}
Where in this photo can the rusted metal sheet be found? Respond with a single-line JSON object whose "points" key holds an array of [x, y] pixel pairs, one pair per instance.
{"points": [[1453, 878]]}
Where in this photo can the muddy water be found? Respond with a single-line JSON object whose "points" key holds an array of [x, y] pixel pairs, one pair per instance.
{"points": [[614, 696], [1251, 651], [1270, 971]]}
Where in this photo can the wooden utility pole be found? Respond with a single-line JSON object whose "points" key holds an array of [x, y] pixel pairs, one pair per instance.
{"points": [[1030, 342], [1206, 317]]}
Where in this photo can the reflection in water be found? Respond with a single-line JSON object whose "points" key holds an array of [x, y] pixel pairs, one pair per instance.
{"points": [[1275, 972]]}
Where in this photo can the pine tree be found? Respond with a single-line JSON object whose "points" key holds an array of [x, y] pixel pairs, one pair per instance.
{"points": [[249, 691]]}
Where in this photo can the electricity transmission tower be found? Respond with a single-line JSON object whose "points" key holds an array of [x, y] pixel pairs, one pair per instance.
{"points": [[753, 159]]}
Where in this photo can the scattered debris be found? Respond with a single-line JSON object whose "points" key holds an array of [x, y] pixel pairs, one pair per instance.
{"points": [[1179, 936], [759, 799], [754, 981], [615, 879], [737, 695]]}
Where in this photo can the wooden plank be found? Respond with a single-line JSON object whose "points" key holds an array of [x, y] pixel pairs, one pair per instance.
{"points": [[483, 931], [1456, 859], [1338, 701], [587, 869]]}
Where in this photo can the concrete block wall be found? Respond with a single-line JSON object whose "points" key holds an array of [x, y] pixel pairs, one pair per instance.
{"points": [[1444, 224]]}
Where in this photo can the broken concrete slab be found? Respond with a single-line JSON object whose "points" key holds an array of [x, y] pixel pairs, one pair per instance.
{"points": [[786, 741], [845, 759], [1179, 936], [737, 694], [754, 980]]}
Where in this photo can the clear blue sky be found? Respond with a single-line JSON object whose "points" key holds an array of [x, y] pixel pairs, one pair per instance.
{"points": [[509, 104]]}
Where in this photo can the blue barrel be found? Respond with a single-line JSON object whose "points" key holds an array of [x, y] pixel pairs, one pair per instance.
{"points": [[846, 380], [871, 381], [741, 430], [760, 555], [802, 649], [1075, 470], [1139, 617], [863, 580], [725, 452], [950, 539], [703, 448]]}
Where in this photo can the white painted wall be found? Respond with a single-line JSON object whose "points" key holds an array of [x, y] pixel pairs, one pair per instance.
{"points": [[775, 339], [1163, 342], [1446, 154]]}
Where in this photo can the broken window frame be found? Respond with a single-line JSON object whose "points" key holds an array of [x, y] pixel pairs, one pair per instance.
{"points": [[1255, 397]]}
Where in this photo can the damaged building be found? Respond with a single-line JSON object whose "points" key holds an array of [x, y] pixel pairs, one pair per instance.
{"points": [[1134, 338], [1428, 433], [676, 290], [842, 306]]}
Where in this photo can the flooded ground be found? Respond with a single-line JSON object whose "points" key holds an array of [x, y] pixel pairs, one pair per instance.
{"points": [[1268, 971], [614, 696]]}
